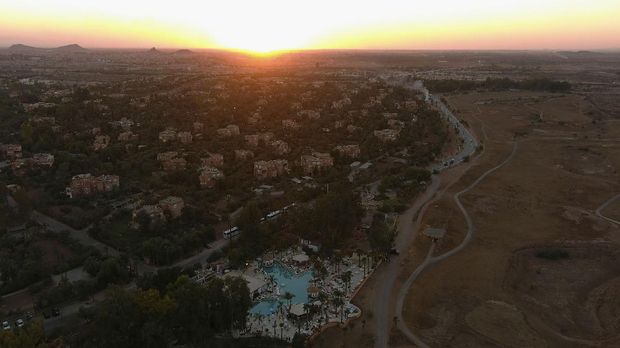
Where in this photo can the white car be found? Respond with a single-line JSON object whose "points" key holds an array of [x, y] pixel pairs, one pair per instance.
{"points": [[19, 323], [6, 326]]}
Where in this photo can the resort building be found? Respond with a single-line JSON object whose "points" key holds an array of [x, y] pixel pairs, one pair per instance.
{"points": [[270, 169], [168, 135], [387, 135], [351, 151], [43, 159], [101, 142], [316, 162], [214, 160], [243, 155], [11, 151], [87, 184], [209, 176], [280, 147], [184, 137], [228, 131], [177, 163]]}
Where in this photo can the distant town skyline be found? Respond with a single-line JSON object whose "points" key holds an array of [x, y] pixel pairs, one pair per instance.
{"points": [[265, 26]]}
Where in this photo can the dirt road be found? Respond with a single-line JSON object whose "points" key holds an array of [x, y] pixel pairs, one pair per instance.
{"points": [[430, 260]]}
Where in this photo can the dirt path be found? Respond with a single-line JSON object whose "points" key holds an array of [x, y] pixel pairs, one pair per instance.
{"points": [[430, 260], [600, 209]]}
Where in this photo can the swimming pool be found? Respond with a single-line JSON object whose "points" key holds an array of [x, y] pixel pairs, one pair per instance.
{"points": [[288, 281]]}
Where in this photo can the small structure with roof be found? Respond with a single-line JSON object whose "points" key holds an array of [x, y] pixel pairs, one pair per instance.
{"points": [[434, 233]]}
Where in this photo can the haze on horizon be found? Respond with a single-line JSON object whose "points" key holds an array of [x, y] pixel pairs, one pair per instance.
{"points": [[263, 26]]}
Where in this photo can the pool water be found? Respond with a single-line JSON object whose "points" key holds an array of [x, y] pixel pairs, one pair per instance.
{"points": [[288, 281]]}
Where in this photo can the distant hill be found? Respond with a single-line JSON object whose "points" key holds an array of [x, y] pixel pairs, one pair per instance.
{"points": [[70, 48], [183, 51], [67, 48], [21, 47]]}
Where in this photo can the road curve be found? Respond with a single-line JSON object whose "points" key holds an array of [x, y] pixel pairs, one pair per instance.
{"points": [[430, 260], [387, 276], [599, 211]]}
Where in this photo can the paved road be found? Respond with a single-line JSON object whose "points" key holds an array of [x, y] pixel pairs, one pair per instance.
{"points": [[430, 260], [80, 235], [604, 206], [407, 227], [388, 272]]}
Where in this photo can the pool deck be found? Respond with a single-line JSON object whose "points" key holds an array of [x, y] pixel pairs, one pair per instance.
{"points": [[263, 322]]}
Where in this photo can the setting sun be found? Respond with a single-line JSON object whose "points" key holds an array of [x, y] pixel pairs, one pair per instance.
{"points": [[272, 25]]}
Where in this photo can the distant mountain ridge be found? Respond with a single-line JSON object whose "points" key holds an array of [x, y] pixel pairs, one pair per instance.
{"points": [[66, 48], [183, 51]]}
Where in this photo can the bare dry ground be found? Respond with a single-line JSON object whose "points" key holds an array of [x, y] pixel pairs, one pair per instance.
{"points": [[542, 269]]}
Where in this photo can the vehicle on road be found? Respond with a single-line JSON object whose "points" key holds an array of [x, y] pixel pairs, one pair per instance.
{"points": [[6, 326], [19, 323], [232, 232]]}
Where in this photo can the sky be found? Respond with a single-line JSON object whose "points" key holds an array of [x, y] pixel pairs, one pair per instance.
{"points": [[268, 25]]}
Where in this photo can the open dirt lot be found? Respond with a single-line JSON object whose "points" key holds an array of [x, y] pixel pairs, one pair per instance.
{"points": [[542, 270]]}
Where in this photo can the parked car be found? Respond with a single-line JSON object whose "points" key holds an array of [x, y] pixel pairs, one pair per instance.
{"points": [[6, 326], [394, 251], [19, 323]]}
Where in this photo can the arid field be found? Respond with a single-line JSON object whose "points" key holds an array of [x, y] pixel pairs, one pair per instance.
{"points": [[542, 269]]}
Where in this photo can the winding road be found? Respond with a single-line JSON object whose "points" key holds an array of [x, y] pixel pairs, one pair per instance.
{"points": [[410, 220], [430, 260]]}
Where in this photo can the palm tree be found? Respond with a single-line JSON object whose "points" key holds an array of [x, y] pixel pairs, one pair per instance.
{"points": [[307, 309], [289, 297], [346, 279], [338, 302]]}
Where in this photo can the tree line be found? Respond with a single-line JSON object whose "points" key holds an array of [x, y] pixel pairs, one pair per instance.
{"points": [[498, 84]]}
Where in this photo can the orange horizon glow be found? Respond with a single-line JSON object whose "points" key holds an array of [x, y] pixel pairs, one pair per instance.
{"points": [[267, 26]]}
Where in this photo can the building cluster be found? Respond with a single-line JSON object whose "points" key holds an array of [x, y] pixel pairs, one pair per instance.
{"points": [[124, 123], [185, 137], [316, 162], [290, 124], [101, 142], [170, 161], [11, 151], [270, 169], [169, 207], [387, 135], [280, 147], [244, 155], [256, 140], [82, 185], [209, 176], [18, 164], [351, 151], [214, 160], [168, 135], [309, 114], [228, 131], [126, 136]]}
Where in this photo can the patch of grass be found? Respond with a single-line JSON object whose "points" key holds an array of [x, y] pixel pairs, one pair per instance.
{"points": [[553, 254]]}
